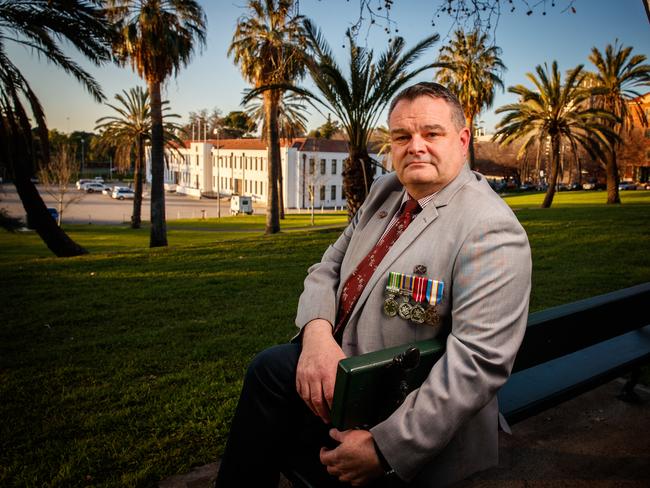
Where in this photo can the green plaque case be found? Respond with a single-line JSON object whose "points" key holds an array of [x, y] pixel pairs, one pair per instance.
{"points": [[371, 386]]}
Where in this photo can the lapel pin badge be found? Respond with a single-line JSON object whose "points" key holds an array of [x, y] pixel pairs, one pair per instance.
{"points": [[383, 214], [420, 269]]}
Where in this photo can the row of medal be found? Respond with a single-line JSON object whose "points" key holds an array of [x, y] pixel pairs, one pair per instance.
{"points": [[413, 298]]}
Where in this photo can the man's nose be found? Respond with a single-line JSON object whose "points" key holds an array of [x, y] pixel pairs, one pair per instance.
{"points": [[416, 145]]}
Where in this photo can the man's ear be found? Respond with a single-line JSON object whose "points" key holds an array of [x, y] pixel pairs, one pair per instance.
{"points": [[464, 137]]}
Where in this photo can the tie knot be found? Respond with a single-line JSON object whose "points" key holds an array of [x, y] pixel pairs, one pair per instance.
{"points": [[411, 206]]}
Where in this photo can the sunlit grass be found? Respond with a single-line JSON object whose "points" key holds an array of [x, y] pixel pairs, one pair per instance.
{"points": [[576, 198]]}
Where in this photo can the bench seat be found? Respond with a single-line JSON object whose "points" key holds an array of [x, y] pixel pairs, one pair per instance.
{"points": [[530, 391]]}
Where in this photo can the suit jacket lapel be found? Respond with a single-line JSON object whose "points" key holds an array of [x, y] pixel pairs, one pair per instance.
{"points": [[373, 230]]}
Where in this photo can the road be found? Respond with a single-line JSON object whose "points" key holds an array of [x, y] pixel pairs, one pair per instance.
{"points": [[96, 208]]}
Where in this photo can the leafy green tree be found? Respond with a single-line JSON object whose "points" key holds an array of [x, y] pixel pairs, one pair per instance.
{"points": [[127, 132], [618, 74], [267, 45], [238, 123], [157, 38], [327, 130], [470, 68], [358, 99], [556, 111], [42, 26]]}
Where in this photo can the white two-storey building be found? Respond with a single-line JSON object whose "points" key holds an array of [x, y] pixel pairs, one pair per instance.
{"points": [[311, 168]]}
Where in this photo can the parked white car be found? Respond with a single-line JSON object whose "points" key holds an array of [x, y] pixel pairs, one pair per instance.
{"points": [[109, 190], [121, 193], [93, 187]]}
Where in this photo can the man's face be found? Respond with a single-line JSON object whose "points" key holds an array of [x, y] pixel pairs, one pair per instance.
{"points": [[427, 149]]}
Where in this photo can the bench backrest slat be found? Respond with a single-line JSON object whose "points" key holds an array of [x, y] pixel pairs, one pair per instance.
{"points": [[568, 328]]}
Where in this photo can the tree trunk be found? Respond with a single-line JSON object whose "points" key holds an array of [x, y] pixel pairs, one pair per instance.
{"points": [[555, 170], [280, 192], [612, 179], [136, 217], [273, 157], [158, 236], [472, 154], [17, 152], [357, 178]]}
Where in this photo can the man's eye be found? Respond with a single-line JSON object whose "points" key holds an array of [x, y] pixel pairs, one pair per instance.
{"points": [[432, 135], [400, 138]]}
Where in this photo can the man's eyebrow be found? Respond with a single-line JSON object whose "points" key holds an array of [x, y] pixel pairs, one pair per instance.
{"points": [[434, 127]]}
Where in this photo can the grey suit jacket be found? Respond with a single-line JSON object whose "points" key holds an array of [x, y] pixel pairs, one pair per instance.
{"points": [[468, 238]]}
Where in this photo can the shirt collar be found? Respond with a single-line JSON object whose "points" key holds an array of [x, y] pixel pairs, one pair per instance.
{"points": [[423, 202]]}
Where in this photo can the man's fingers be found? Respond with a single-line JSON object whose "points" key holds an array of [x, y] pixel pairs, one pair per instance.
{"points": [[328, 390], [337, 435], [318, 402]]}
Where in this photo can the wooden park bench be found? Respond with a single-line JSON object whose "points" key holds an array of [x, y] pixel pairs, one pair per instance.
{"points": [[567, 350]]}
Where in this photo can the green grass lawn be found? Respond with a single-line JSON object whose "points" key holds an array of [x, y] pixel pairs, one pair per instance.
{"points": [[122, 367]]}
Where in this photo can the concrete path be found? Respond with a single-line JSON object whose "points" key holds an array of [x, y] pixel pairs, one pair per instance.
{"points": [[594, 440]]}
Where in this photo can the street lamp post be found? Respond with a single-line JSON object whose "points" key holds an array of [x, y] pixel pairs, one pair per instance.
{"points": [[216, 132]]}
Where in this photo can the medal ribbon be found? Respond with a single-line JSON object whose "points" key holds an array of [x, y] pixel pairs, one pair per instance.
{"points": [[406, 282], [419, 288], [393, 281], [434, 291]]}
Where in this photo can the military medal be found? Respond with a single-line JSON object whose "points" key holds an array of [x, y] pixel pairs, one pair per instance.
{"points": [[431, 316], [418, 293], [417, 314], [425, 293], [433, 296], [390, 306], [392, 290], [404, 309]]}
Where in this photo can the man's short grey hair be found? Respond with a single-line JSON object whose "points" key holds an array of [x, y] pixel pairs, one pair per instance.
{"points": [[433, 90]]}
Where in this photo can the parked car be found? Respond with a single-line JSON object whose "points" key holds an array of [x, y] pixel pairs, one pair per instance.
{"points": [[109, 190], [240, 204], [54, 213], [627, 185], [593, 185], [121, 193], [93, 187], [80, 183]]}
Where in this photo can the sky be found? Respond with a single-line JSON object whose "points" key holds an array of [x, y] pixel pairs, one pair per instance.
{"points": [[212, 80]]}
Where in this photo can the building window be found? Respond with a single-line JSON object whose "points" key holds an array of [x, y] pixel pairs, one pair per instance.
{"points": [[333, 193], [333, 166], [312, 166], [197, 159], [322, 193], [322, 166]]}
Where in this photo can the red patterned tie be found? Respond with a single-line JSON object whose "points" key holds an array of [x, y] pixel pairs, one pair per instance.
{"points": [[359, 278]]}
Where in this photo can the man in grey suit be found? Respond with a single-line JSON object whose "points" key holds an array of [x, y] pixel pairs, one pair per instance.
{"points": [[457, 238]]}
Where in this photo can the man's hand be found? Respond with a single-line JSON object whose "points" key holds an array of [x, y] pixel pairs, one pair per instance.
{"points": [[355, 460], [317, 364]]}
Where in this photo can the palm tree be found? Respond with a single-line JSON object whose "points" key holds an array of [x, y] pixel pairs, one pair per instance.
{"points": [[127, 132], [267, 45], [556, 112], [292, 121], [157, 38], [42, 25], [358, 101], [617, 75], [471, 69]]}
